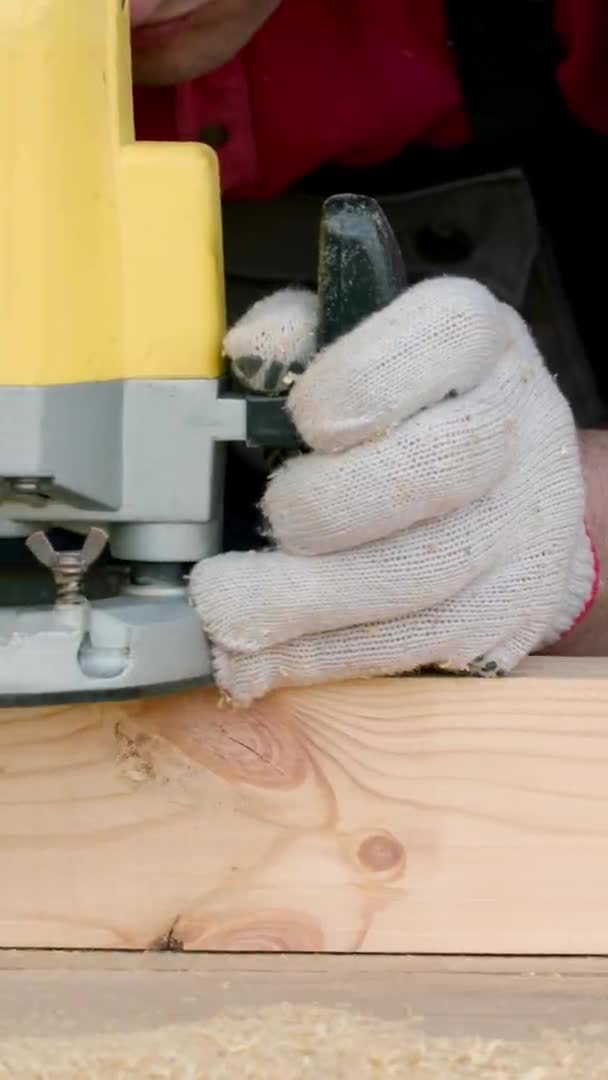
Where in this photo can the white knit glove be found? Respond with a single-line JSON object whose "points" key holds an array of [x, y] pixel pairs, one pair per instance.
{"points": [[440, 518]]}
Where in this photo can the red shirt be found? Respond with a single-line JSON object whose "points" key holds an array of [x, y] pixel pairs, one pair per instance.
{"points": [[351, 82]]}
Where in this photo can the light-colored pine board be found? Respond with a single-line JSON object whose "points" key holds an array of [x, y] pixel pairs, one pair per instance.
{"points": [[414, 815], [469, 997]]}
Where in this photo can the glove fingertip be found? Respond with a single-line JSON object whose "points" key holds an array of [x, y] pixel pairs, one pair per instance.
{"points": [[280, 327], [236, 690]]}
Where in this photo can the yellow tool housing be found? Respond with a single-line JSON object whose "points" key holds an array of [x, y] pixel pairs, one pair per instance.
{"points": [[110, 250]]}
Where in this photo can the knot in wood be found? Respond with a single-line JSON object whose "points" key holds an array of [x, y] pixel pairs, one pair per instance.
{"points": [[381, 853]]}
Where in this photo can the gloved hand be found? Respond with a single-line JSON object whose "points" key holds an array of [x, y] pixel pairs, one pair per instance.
{"points": [[440, 518]]}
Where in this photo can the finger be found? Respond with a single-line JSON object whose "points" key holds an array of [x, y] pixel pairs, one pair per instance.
{"points": [[453, 635], [274, 341], [440, 337], [251, 601], [431, 465], [505, 655]]}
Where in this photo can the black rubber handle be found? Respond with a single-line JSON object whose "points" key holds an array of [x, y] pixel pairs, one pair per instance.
{"points": [[360, 271], [360, 265]]}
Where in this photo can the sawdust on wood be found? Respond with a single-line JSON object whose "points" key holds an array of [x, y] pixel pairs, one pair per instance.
{"points": [[289, 1043]]}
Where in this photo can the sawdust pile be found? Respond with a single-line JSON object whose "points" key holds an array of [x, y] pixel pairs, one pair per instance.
{"points": [[289, 1043]]}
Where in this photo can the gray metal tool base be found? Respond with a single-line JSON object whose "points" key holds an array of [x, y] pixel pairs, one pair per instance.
{"points": [[119, 648], [89, 697]]}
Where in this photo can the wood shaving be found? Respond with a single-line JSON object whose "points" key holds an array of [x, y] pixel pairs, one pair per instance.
{"points": [[289, 1043]]}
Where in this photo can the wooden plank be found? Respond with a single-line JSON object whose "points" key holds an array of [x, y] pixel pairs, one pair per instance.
{"points": [[415, 815], [84, 995]]}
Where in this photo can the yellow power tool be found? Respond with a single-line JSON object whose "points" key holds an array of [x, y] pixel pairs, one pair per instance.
{"points": [[115, 409]]}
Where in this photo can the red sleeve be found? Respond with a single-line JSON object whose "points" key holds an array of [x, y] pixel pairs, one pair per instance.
{"points": [[582, 27]]}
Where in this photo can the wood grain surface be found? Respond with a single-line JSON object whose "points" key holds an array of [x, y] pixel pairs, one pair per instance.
{"points": [[415, 815]]}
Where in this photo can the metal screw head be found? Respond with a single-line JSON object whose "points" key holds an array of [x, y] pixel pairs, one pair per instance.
{"points": [[25, 486], [42, 549], [68, 567], [32, 490]]}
